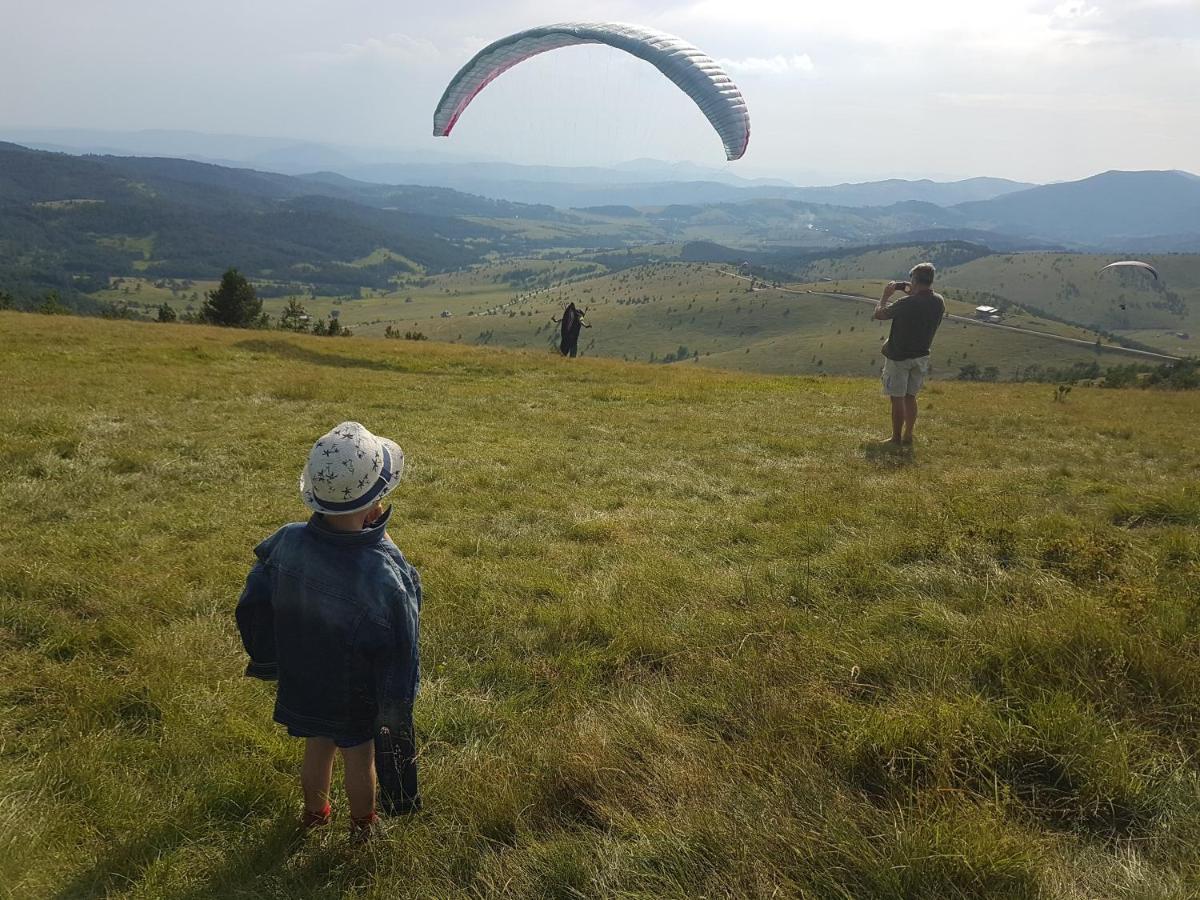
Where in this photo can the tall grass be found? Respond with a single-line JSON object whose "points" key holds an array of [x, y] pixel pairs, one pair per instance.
{"points": [[683, 635]]}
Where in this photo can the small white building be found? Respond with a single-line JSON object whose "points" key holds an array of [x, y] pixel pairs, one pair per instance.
{"points": [[986, 312]]}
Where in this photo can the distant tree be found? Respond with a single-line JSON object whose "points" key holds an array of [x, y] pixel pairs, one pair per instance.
{"points": [[6, 300], [233, 304], [52, 306], [991, 373], [969, 372], [330, 328], [166, 313], [294, 316]]}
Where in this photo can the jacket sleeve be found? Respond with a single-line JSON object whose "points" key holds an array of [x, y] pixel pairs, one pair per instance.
{"points": [[397, 670], [256, 620]]}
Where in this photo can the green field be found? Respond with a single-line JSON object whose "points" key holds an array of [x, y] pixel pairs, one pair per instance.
{"points": [[654, 310], [651, 307], [1072, 287], [685, 632]]}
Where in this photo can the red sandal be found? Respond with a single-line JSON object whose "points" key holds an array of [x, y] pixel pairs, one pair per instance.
{"points": [[312, 819]]}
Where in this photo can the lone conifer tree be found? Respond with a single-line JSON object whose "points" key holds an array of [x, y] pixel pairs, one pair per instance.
{"points": [[234, 303]]}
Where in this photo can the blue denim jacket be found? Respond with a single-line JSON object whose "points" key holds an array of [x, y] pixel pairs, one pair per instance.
{"points": [[334, 617]]}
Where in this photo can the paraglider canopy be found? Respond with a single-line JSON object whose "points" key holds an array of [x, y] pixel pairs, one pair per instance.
{"points": [[696, 74], [570, 320], [1133, 263]]}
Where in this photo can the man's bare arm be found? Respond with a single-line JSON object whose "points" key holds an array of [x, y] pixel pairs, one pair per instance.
{"points": [[882, 310]]}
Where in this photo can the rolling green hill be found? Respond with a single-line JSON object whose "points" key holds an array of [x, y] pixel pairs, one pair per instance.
{"points": [[72, 223], [1072, 287], [684, 633], [651, 311]]}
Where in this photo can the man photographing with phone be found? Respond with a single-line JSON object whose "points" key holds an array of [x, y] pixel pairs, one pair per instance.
{"points": [[915, 318]]}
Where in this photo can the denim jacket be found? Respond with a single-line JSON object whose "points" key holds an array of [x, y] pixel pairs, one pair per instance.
{"points": [[334, 617]]}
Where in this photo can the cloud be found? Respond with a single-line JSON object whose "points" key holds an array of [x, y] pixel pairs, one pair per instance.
{"points": [[1003, 26], [770, 65], [395, 48]]}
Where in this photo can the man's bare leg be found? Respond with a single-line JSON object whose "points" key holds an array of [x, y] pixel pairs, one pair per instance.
{"points": [[910, 417], [897, 419]]}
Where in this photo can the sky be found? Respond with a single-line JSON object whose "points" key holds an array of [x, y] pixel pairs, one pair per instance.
{"points": [[1034, 90]]}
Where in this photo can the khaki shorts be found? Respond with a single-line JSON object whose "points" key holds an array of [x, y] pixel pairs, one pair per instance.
{"points": [[904, 376]]}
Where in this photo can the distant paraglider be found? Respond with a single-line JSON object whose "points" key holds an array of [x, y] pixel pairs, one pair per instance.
{"points": [[696, 74], [1133, 263], [570, 324]]}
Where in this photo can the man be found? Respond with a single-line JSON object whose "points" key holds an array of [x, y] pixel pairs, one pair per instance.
{"points": [[915, 319]]}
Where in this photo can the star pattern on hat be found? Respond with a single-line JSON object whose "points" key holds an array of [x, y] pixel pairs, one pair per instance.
{"points": [[361, 476]]}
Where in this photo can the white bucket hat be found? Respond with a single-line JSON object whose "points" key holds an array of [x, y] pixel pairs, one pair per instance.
{"points": [[349, 470]]}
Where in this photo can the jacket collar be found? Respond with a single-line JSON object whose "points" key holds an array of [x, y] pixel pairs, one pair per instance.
{"points": [[368, 536]]}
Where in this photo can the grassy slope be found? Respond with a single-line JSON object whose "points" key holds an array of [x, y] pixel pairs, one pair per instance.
{"points": [[1072, 286], [682, 635], [776, 332], [706, 310]]}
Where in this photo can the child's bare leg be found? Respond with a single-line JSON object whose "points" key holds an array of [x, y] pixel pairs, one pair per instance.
{"points": [[360, 778], [316, 772]]}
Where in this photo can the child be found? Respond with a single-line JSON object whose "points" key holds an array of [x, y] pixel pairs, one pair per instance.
{"points": [[331, 609]]}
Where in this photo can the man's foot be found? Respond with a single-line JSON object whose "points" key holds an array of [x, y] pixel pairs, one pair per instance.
{"points": [[888, 443], [363, 828], [906, 442], [315, 819]]}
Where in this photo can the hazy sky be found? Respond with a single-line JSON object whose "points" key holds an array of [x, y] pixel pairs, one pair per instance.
{"points": [[1037, 90]]}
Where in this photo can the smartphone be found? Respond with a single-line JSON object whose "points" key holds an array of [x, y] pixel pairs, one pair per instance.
{"points": [[903, 286]]}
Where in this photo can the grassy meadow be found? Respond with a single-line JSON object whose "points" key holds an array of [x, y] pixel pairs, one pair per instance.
{"points": [[649, 312], [685, 633], [652, 309]]}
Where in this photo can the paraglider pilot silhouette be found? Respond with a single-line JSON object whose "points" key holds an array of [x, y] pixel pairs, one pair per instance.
{"points": [[570, 324]]}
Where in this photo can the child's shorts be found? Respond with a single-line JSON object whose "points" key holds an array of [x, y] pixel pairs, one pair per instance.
{"points": [[341, 741]]}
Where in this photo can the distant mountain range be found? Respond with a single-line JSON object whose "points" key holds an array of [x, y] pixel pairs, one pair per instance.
{"points": [[70, 221], [640, 182], [1110, 210]]}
